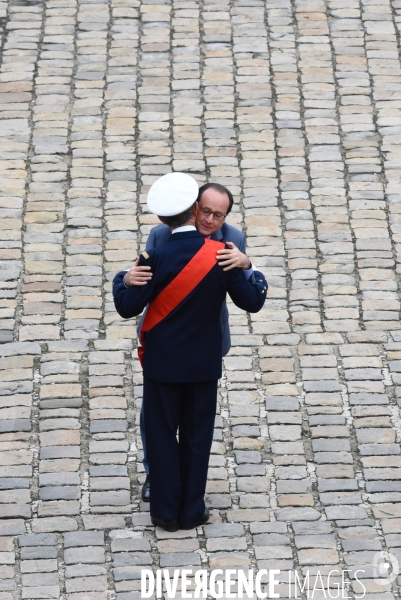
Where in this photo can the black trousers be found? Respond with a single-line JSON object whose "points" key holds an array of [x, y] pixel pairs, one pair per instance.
{"points": [[178, 468]]}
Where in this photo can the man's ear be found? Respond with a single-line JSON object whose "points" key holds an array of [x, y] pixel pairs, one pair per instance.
{"points": [[195, 208]]}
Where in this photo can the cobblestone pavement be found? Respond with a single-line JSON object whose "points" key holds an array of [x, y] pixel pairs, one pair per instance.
{"points": [[296, 107]]}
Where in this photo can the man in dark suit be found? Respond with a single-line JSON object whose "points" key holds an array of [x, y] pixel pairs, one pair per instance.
{"points": [[182, 358], [213, 199]]}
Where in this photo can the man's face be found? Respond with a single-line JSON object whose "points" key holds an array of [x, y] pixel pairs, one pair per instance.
{"points": [[216, 202]]}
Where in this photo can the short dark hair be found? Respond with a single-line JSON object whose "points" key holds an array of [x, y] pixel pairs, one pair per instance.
{"points": [[219, 188], [178, 220]]}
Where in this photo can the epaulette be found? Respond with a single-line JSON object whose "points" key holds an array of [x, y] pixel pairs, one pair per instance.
{"points": [[145, 254]]}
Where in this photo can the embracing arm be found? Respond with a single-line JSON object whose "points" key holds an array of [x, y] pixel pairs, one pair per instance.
{"points": [[130, 301], [232, 257], [140, 274], [247, 294], [234, 254]]}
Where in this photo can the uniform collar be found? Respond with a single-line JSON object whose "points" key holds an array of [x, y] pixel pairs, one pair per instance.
{"points": [[183, 229], [193, 232], [184, 234]]}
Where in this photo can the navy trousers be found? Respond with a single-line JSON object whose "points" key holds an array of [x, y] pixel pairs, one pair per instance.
{"points": [[178, 467], [145, 461]]}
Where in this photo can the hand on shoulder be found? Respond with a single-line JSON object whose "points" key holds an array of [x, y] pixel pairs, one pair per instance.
{"points": [[232, 257], [138, 275]]}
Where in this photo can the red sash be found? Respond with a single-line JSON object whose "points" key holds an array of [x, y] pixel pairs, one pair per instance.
{"points": [[179, 288]]}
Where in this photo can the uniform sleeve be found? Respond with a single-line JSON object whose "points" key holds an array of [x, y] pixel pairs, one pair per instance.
{"points": [[130, 301], [247, 294]]}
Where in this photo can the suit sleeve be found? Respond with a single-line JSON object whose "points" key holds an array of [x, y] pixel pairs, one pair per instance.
{"points": [[158, 235], [232, 234], [242, 244], [151, 241], [247, 294], [130, 301]]}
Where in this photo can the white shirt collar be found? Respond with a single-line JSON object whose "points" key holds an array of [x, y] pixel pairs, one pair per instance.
{"points": [[184, 228]]}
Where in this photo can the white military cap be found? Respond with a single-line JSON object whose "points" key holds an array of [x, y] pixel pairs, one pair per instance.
{"points": [[172, 194]]}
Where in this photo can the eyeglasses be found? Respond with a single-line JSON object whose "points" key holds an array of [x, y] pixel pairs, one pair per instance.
{"points": [[217, 216]]}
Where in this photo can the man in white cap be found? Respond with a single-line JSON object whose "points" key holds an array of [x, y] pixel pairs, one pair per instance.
{"points": [[181, 349], [215, 202]]}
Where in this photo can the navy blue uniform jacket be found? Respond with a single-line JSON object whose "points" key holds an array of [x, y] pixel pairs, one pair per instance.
{"points": [[226, 233], [186, 345]]}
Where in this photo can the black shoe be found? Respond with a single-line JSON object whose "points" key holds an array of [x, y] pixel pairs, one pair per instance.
{"points": [[145, 494], [166, 524], [201, 521]]}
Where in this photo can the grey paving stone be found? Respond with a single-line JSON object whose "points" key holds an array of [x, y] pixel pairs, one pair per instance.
{"points": [[50, 452], [378, 449], [15, 425], [179, 559], [122, 559], [337, 484], [58, 479], [368, 399], [315, 541], [83, 538], [345, 512], [16, 348], [263, 527], [127, 573], [80, 570], [330, 445], [108, 471], [223, 530], [39, 579], [355, 545], [33, 552], [271, 539], [133, 544], [355, 523], [89, 554], [307, 528], [287, 486], [326, 420], [246, 431], [108, 425], [337, 457], [282, 403], [297, 514], [250, 456], [249, 470], [40, 539], [12, 527], [322, 386], [9, 483], [381, 486]]}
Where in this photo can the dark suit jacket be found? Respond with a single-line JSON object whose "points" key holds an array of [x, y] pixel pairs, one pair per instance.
{"points": [[186, 345], [226, 233]]}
